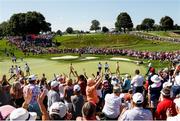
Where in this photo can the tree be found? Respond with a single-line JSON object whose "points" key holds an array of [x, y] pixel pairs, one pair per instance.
{"points": [[123, 21], [4, 29], [69, 30], [59, 32], [28, 23], [95, 25], [148, 23], [167, 23], [176, 27], [105, 29]]}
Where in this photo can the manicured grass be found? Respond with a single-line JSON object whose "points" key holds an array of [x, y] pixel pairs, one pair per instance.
{"points": [[39, 66], [122, 41]]}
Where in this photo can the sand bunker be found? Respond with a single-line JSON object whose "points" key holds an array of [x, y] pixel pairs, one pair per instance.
{"points": [[89, 58], [68, 57], [123, 59]]}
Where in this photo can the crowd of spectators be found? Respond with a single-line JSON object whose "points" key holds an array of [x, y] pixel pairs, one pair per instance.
{"points": [[104, 96], [155, 37], [29, 47]]}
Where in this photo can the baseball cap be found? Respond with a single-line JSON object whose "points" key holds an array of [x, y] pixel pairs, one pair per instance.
{"points": [[58, 108], [6, 110], [22, 114], [138, 98], [54, 84], [77, 88], [152, 70], [177, 102], [32, 78]]}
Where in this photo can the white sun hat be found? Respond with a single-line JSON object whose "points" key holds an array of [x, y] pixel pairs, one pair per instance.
{"points": [[77, 88], [21, 114], [155, 79]]}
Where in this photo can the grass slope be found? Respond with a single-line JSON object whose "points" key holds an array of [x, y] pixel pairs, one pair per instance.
{"points": [[163, 34], [122, 41]]}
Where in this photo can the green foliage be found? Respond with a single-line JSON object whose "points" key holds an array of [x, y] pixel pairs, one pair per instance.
{"points": [[95, 25], [105, 29], [167, 23], [59, 32], [148, 23], [123, 21], [69, 30], [25, 23]]}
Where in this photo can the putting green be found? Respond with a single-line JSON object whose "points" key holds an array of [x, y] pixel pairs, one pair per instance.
{"points": [[49, 67]]}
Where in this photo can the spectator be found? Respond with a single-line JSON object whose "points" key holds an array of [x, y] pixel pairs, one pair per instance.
{"points": [[68, 92], [17, 94], [88, 112], [77, 101], [53, 94], [22, 114], [91, 89], [165, 103], [5, 111], [152, 73], [33, 105], [154, 90], [176, 86], [137, 82], [126, 84], [58, 111], [138, 112], [113, 105], [177, 117]]}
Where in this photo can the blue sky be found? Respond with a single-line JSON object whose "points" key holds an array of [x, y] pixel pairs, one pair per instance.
{"points": [[79, 13]]}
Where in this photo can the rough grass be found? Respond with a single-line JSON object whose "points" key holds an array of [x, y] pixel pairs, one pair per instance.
{"points": [[122, 41]]}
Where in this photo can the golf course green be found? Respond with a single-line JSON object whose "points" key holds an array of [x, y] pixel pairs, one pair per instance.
{"points": [[51, 67]]}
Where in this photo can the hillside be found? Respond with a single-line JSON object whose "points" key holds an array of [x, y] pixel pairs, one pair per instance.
{"points": [[123, 41]]}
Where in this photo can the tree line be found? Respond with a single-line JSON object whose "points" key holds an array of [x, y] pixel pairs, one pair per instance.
{"points": [[25, 23], [34, 23]]}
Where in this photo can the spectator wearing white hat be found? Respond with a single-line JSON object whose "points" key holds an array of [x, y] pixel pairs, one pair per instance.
{"points": [[77, 101], [33, 105], [21, 114], [113, 104], [137, 82], [177, 117], [59, 111], [53, 94], [154, 90], [137, 112]]}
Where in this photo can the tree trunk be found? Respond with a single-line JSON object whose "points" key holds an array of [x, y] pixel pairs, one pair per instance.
{"points": [[124, 30]]}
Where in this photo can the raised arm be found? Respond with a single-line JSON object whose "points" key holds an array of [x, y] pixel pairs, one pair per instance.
{"points": [[40, 99]]}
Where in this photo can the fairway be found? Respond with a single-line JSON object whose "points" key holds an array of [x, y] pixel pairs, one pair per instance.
{"points": [[49, 67]]}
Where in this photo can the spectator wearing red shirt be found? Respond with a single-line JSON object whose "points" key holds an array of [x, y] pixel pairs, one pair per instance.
{"points": [[165, 103]]}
